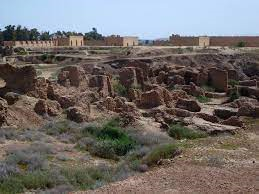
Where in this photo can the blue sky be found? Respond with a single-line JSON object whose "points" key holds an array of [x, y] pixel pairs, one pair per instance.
{"points": [[143, 18]]}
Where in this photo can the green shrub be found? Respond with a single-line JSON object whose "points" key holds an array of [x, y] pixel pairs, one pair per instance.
{"points": [[178, 131], [79, 177], [233, 83], [31, 180], [203, 99], [160, 152], [104, 149], [111, 140], [241, 44], [119, 88], [233, 95]]}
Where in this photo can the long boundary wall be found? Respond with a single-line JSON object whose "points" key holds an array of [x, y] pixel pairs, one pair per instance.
{"points": [[249, 41], [184, 41]]}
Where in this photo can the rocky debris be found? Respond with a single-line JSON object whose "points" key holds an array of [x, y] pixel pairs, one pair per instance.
{"points": [[233, 121], [190, 105], [225, 112], [43, 107], [66, 101], [151, 99], [11, 97], [3, 111], [193, 90], [250, 83], [178, 112], [242, 101], [207, 117], [252, 92], [40, 88], [103, 83], [131, 77], [191, 76], [155, 97], [249, 110], [218, 79], [77, 114], [211, 128], [86, 97], [145, 67], [179, 94], [175, 80], [119, 105], [18, 79], [72, 76], [134, 94], [161, 78], [22, 115], [62, 95]]}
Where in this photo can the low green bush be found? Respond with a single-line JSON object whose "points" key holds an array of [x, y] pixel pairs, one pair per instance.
{"points": [[233, 95], [79, 177], [241, 44], [119, 88], [203, 99], [233, 83], [110, 140], [164, 151], [178, 131]]}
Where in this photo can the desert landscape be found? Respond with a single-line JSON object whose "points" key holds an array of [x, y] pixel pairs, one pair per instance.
{"points": [[140, 119]]}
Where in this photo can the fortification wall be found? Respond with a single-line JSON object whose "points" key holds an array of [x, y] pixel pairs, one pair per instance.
{"points": [[250, 41], [94, 43], [184, 41], [114, 41], [38, 44]]}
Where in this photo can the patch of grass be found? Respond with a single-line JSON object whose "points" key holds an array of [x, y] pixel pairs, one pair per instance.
{"points": [[165, 151], [203, 99], [178, 131], [31, 180], [80, 178], [86, 178]]}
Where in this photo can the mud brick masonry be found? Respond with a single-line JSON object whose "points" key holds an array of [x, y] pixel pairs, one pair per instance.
{"points": [[249, 41], [77, 41]]}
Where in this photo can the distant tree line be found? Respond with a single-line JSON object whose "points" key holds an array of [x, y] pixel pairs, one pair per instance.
{"points": [[19, 33]]}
